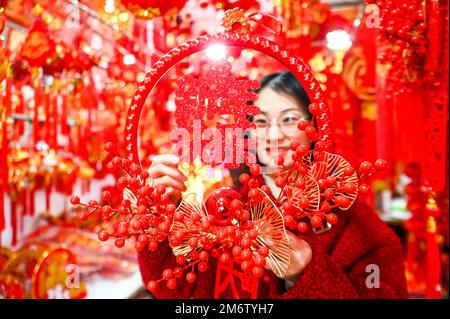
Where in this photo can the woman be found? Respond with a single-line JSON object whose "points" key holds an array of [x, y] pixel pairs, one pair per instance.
{"points": [[360, 257]]}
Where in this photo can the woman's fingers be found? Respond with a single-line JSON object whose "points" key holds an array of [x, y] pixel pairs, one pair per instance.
{"points": [[169, 181], [159, 169], [167, 159], [300, 254]]}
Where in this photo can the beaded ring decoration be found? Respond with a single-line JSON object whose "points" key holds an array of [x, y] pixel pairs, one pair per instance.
{"points": [[250, 234]]}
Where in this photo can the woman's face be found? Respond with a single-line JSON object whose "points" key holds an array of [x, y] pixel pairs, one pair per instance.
{"points": [[273, 140]]}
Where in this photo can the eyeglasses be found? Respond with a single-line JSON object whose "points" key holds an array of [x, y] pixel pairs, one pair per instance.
{"points": [[287, 123]]}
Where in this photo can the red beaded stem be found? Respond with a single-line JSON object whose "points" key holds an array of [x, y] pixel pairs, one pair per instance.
{"points": [[294, 64]]}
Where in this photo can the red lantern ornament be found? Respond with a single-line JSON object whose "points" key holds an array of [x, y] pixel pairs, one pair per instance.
{"points": [[149, 9]]}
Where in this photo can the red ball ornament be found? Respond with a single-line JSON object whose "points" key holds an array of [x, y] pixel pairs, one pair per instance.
{"points": [[219, 204]]}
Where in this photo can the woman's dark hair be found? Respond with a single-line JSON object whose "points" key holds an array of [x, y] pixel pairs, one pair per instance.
{"points": [[286, 83]]}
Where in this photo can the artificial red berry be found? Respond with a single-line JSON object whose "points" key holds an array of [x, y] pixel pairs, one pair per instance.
{"points": [[153, 245], [310, 131], [236, 251], [171, 283], [380, 164], [314, 108], [122, 182], [83, 216], [304, 202], [365, 167], [302, 124], [194, 255], [257, 271], [203, 256], [364, 188], [193, 242], [170, 209], [236, 204], [263, 251], [280, 182], [167, 274], [191, 277], [246, 254], [265, 189], [74, 200], [328, 194], [349, 188], [293, 146], [255, 170], [103, 235], [244, 178], [106, 196], [152, 285], [349, 170], [119, 243], [246, 266], [224, 258], [109, 147], [181, 259], [92, 203], [302, 227], [202, 267], [259, 261], [332, 219], [316, 221]]}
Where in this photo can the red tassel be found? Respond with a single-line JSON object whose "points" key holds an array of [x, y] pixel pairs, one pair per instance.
{"points": [[37, 104], [4, 150], [55, 123], [14, 222], [433, 279], [47, 117], [31, 210], [48, 191]]}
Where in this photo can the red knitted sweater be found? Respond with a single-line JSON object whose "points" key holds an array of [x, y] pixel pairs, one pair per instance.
{"points": [[342, 261]]}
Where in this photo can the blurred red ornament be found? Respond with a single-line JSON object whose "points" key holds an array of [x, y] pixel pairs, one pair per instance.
{"points": [[38, 45], [149, 9]]}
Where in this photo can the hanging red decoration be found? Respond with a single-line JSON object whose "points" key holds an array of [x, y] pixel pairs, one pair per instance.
{"points": [[149, 9], [38, 45]]}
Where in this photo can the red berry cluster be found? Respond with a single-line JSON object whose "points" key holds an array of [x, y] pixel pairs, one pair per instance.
{"points": [[146, 215], [196, 237]]}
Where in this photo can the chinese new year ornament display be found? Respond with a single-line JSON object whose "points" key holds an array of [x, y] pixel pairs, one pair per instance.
{"points": [[244, 235]]}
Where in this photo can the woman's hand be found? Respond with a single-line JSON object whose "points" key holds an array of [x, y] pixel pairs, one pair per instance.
{"points": [[300, 256], [164, 170]]}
